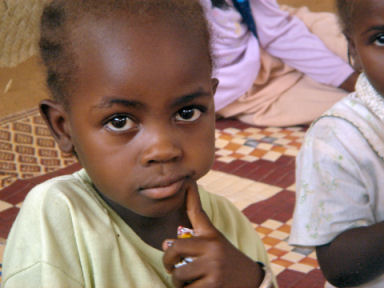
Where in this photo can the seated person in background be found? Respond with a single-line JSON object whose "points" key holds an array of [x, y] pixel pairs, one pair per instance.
{"points": [[284, 75], [133, 100], [340, 168]]}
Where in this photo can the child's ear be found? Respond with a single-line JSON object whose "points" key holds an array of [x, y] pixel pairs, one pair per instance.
{"points": [[215, 83], [56, 117], [353, 56]]}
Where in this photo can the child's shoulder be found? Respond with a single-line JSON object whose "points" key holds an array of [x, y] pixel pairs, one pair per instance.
{"points": [[361, 110], [343, 132], [345, 115], [350, 118], [70, 187]]}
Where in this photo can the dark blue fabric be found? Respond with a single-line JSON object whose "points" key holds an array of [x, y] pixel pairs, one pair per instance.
{"points": [[245, 10]]}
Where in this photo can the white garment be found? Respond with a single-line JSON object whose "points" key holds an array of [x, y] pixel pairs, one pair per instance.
{"points": [[340, 168], [236, 51]]}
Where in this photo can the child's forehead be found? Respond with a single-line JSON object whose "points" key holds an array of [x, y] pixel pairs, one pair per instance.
{"points": [[122, 25], [366, 12], [139, 60], [113, 36], [365, 7], [116, 34]]}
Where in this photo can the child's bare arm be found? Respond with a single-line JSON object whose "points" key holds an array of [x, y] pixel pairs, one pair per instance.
{"points": [[217, 263], [354, 257]]}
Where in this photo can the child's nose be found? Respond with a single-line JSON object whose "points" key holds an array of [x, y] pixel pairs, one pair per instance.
{"points": [[162, 147]]}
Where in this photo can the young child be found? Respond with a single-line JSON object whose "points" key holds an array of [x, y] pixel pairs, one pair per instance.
{"points": [[133, 100], [285, 75], [340, 169]]}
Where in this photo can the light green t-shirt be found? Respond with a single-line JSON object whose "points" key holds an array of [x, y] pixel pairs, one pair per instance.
{"points": [[66, 236]]}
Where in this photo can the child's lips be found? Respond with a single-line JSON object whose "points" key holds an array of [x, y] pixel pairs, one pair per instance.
{"points": [[161, 192]]}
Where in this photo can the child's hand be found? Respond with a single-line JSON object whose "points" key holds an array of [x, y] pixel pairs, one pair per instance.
{"points": [[216, 262]]}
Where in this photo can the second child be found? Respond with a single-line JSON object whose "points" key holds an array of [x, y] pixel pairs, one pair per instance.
{"points": [[340, 169]]}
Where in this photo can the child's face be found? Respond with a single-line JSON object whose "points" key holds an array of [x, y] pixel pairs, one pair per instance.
{"points": [[368, 40], [142, 117]]}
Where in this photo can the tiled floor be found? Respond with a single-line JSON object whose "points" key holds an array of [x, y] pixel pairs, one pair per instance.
{"points": [[254, 168]]}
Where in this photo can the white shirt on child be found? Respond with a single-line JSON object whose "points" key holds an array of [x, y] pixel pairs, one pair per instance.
{"points": [[65, 235], [236, 50], [340, 171]]}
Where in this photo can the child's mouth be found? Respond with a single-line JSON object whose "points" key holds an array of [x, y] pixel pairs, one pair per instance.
{"points": [[161, 192]]}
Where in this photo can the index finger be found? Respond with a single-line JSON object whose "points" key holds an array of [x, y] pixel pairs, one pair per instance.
{"points": [[200, 222]]}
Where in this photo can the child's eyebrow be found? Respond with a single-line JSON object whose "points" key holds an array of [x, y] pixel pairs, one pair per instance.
{"points": [[185, 99], [376, 28], [108, 102]]}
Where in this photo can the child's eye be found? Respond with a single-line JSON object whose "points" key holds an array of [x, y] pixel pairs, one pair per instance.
{"points": [[119, 123], [189, 114], [379, 40]]}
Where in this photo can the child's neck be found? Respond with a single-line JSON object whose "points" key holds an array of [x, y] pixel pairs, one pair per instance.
{"points": [[152, 231]]}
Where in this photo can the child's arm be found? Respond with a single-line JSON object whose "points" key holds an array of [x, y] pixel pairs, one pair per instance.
{"points": [[288, 38], [354, 257], [217, 263]]}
